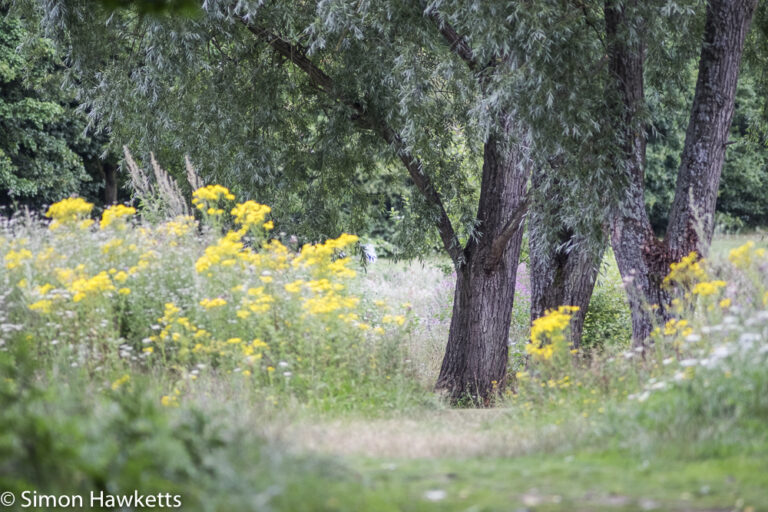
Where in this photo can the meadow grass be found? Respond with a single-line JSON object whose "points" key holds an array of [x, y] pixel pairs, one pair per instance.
{"points": [[310, 385]]}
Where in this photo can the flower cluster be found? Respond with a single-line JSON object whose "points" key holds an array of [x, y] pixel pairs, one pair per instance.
{"points": [[174, 296], [549, 333], [69, 212], [85, 287], [116, 215], [251, 214], [686, 272], [207, 199]]}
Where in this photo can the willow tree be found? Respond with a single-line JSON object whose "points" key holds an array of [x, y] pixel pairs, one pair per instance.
{"points": [[299, 103], [305, 104]]}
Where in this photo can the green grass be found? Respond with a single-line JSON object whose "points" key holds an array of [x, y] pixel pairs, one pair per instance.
{"points": [[722, 244], [580, 481], [344, 430]]}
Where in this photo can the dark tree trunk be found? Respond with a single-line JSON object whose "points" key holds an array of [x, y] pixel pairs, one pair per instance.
{"points": [[642, 259], [565, 277], [476, 355], [632, 237], [109, 172], [691, 220], [564, 266]]}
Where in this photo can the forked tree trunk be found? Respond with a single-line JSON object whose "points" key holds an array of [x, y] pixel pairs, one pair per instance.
{"points": [[476, 353], [475, 361], [642, 259]]}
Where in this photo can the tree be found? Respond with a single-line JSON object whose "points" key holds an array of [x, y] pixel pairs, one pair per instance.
{"points": [[643, 260], [44, 153], [317, 69], [302, 102], [36, 160]]}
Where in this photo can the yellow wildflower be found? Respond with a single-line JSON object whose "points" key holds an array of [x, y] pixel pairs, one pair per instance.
{"points": [[14, 258], [68, 211], [741, 256], [294, 287], [548, 333], [213, 303], [211, 193], [169, 401], [250, 213], [84, 287], [707, 288], [116, 215], [686, 271], [120, 382], [42, 306]]}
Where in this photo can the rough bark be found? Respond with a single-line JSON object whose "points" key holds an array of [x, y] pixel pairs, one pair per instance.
{"points": [[642, 259], [476, 355], [564, 276], [475, 362], [691, 221], [632, 237], [563, 266]]}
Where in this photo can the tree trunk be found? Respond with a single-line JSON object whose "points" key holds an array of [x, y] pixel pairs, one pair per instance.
{"points": [[642, 259], [564, 267], [691, 220], [475, 362], [110, 183]]}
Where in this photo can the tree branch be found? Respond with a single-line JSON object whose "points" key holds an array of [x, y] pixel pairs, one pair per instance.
{"points": [[509, 230], [297, 55], [457, 42]]}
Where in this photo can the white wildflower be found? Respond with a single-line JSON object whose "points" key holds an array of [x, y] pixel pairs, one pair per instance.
{"points": [[435, 495]]}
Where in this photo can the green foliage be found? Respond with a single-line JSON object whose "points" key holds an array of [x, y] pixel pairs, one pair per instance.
{"points": [[78, 437], [741, 199], [156, 7], [213, 87], [608, 322], [37, 160], [44, 152]]}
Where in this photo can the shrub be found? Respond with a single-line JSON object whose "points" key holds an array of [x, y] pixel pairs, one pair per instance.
{"points": [[608, 321], [72, 438]]}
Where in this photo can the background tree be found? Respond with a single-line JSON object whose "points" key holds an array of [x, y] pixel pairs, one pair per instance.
{"points": [[44, 153]]}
